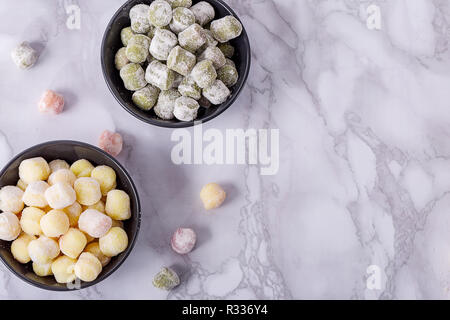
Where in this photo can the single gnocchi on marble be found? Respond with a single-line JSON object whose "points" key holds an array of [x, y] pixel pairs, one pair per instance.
{"points": [[178, 46], [65, 220]]}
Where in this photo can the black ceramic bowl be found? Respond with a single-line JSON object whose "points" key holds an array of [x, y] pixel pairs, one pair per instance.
{"points": [[71, 151], [111, 43]]}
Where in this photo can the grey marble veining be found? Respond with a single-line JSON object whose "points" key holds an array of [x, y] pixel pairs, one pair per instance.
{"points": [[364, 177]]}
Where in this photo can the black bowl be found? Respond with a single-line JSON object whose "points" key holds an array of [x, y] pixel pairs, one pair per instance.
{"points": [[111, 43], [71, 151]]}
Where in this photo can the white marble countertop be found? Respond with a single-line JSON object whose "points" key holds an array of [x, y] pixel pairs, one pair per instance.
{"points": [[364, 176]]}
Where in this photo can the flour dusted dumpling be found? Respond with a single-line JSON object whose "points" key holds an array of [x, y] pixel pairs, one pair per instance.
{"points": [[60, 195], [34, 195], [166, 279], [186, 109], [121, 59], [162, 42], [9, 226], [210, 41], [183, 240], [228, 75], [204, 73], [160, 13], [189, 88], [203, 12], [182, 19], [192, 38], [146, 98], [226, 29], [125, 35], [181, 61], [215, 55], [159, 75], [133, 76], [24, 56], [139, 18], [87, 190], [137, 48], [51, 102], [217, 93], [11, 199], [111, 142], [43, 250], [94, 223], [35, 169], [166, 103]]}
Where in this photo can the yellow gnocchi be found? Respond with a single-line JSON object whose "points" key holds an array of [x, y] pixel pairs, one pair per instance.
{"points": [[55, 223], [19, 248], [88, 191], [114, 242], [63, 268], [212, 196], [88, 267], [35, 169], [82, 168], [72, 243], [118, 205], [43, 269], [106, 176], [30, 221]]}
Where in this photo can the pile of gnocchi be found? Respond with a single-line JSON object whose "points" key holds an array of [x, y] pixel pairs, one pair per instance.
{"points": [[176, 57], [67, 220]]}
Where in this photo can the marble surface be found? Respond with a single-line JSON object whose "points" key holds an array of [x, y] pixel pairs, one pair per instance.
{"points": [[364, 177]]}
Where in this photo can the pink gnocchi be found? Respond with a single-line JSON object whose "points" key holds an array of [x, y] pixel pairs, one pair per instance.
{"points": [[51, 102], [111, 142], [183, 240]]}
